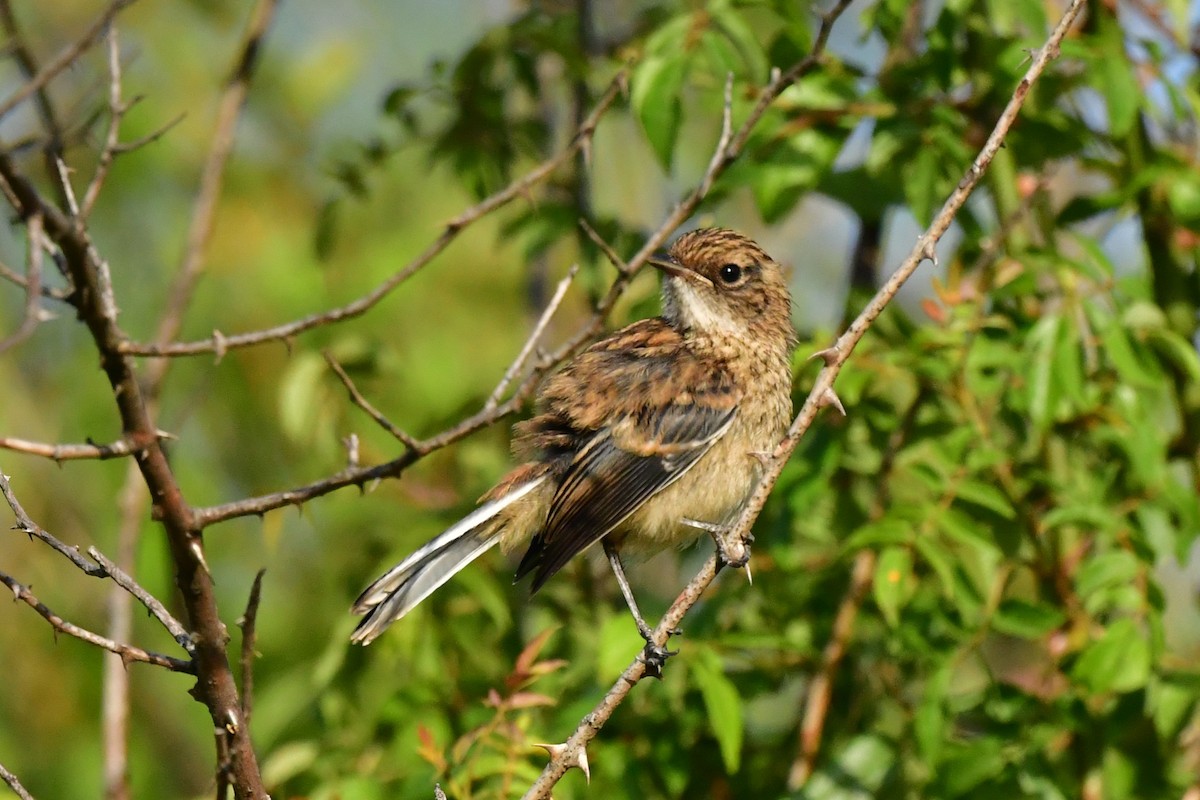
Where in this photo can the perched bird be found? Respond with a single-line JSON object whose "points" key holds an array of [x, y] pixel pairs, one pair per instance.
{"points": [[643, 441]]}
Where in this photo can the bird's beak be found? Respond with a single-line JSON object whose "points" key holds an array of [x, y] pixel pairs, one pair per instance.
{"points": [[672, 267]]}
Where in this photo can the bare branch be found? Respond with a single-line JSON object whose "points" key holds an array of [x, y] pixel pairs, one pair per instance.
{"points": [[605, 247], [21, 53], [835, 358], [127, 652], [97, 309], [116, 111], [33, 287], [14, 784], [75, 452], [518, 363], [152, 603], [357, 398], [222, 343], [247, 624], [99, 567], [65, 58]]}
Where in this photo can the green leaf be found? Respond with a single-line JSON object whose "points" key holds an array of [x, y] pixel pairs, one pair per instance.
{"points": [[893, 583], [1027, 620], [888, 530], [1114, 568], [1043, 388], [1119, 348], [654, 94], [723, 703], [788, 173], [1176, 350], [988, 496], [1114, 79], [748, 44], [922, 178], [1119, 661]]}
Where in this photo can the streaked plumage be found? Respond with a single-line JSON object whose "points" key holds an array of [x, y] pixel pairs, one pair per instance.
{"points": [[656, 423]]}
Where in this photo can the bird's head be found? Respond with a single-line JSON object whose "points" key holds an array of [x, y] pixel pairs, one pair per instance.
{"points": [[721, 283]]}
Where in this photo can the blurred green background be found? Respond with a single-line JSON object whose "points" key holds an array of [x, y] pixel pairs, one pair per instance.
{"points": [[1009, 507]]}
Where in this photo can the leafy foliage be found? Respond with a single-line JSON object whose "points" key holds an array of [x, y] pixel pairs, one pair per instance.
{"points": [[980, 564]]}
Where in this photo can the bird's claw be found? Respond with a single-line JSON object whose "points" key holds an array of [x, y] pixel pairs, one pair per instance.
{"points": [[655, 656]]}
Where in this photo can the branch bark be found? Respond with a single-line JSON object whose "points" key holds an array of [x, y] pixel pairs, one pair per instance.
{"points": [[96, 306]]}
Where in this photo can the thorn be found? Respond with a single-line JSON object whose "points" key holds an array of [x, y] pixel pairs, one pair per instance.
{"points": [[929, 251], [198, 552], [829, 398], [231, 722], [829, 355], [218, 346], [749, 577], [578, 759]]}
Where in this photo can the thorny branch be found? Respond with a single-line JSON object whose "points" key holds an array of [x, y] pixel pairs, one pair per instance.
{"points": [[14, 784], [821, 395], [125, 651], [74, 452], [99, 567], [97, 309], [64, 59]]}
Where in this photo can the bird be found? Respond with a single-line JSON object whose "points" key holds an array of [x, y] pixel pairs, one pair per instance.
{"points": [[644, 441]]}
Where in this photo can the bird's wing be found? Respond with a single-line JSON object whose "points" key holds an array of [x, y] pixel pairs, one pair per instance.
{"points": [[672, 408]]}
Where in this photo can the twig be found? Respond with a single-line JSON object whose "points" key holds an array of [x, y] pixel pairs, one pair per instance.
{"points": [[604, 246], [14, 784], [74, 452], [127, 652], [64, 59], [152, 603], [100, 567], [518, 363], [29, 69], [116, 111], [820, 396], [33, 288], [359, 400], [221, 343], [247, 624]]}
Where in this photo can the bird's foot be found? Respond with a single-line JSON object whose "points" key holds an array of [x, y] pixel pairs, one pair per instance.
{"points": [[655, 656], [732, 552]]}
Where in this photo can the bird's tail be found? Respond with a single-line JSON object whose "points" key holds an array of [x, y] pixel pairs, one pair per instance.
{"points": [[399, 590]]}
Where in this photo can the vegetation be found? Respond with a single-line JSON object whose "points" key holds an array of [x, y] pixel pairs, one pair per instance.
{"points": [[978, 583]]}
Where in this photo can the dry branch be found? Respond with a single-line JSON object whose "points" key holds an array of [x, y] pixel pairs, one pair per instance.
{"points": [[14, 784], [64, 59], [127, 652], [93, 298], [99, 567], [821, 395], [74, 452]]}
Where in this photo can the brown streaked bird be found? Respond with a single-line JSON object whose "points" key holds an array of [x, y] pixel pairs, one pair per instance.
{"points": [[644, 441]]}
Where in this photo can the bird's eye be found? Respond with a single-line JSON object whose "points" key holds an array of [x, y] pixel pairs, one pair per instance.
{"points": [[730, 273]]}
